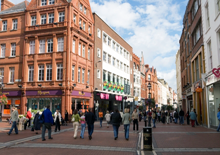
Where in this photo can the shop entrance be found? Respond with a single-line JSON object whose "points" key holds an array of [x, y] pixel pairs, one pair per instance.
{"points": [[80, 104], [12, 102]]}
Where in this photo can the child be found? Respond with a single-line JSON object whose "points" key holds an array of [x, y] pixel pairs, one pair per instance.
{"points": [[83, 125]]}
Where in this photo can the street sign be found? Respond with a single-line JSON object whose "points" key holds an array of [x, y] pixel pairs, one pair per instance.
{"points": [[17, 80]]}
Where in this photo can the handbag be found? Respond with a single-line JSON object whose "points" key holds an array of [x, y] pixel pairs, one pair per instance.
{"points": [[73, 119]]}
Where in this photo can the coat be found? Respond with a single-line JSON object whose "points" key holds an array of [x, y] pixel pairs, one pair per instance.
{"points": [[66, 116], [14, 116], [192, 116], [48, 116], [116, 119], [36, 122], [29, 115], [57, 116], [107, 117], [218, 115], [126, 118], [90, 118]]}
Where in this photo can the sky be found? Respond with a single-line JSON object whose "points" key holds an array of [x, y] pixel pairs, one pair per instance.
{"points": [[151, 26]]}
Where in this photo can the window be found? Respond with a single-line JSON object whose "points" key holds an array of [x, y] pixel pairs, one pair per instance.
{"points": [[125, 54], [4, 25], [59, 71], [79, 70], [11, 74], [218, 5], [13, 49], [51, 17], [15, 24], [32, 47], [74, 46], [33, 20], [85, 10], [43, 19], [88, 53], [83, 75], [197, 68], [99, 34], [117, 63], [121, 65], [109, 77], [84, 26], [41, 72], [113, 61], [60, 44], [104, 38], [2, 74], [89, 29], [74, 18], [88, 79], [50, 45], [80, 6], [109, 41], [73, 73], [104, 56], [42, 46], [51, 1], [61, 16], [125, 67], [207, 16], [109, 59], [79, 49], [98, 53], [31, 73], [113, 45], [149, 77], [134, 78], [98, 74], [80, 23], [210, 55], [43, 2], [83, 51], [195, 8], [197, 34], [121, 51], [117, 47], [49, 72]]}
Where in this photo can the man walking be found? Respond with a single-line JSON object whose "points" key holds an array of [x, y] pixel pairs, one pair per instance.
{"points": [[48, 121], [134, 116], [90, 119], [14, 119], [181, 114], [100, 117], [149, 117]]}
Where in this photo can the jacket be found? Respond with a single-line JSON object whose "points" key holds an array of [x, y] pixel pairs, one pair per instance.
{"points": [[116, 119], [29, 115], [181, 113], [66, 116], [36, 122], [77, 117], [14, 116], [192, 116], [126, 118], [90, 118], [57, 115], [134, 115], [48, 116], [218, 115], [176, 115], [107, 117]]}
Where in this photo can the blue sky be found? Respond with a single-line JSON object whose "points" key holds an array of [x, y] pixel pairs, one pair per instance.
{"points": [[151, 26]]}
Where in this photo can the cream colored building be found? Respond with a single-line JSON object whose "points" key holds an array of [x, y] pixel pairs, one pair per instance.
{"points": [[178, 79]]}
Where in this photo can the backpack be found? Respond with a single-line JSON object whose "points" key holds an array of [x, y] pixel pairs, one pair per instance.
{"points": [[41, 118], [154, 115]]}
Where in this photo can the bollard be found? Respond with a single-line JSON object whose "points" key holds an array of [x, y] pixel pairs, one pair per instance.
{"points": [[147, 139]]}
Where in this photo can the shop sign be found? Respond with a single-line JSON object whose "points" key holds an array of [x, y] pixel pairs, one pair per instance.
{"points": [[104, 96], [216, 72], [81, 93], [44, 93], [11, 93], [188, 91], [212, 79], [118, 98]]}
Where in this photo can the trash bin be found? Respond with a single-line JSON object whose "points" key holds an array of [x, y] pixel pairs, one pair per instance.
{"points": [[0, 117], [147, 139]]}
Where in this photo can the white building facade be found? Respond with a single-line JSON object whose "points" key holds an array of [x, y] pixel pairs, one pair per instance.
{"points": [[178, 79], [211, 37], [137, 84]]}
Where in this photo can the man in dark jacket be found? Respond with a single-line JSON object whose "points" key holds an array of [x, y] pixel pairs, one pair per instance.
{"points": [[90, 119], [181, 114], [48, 121], [116, 121]]}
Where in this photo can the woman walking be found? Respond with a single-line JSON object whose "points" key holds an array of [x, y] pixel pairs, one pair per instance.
{"points": [[126, 121], [36, 122], [134, 116], [187, 117], [83, 125], [163, 117], [192, 118], [66, 117], [107, 117], [176, 117], [57, 120], [116, 121], [75, 119], [158, 116]]}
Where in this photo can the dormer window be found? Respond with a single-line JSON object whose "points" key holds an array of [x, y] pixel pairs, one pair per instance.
{"points": [[51, 2], [43, 2]]}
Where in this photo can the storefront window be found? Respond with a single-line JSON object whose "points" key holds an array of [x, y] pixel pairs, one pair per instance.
{"points": [[56, 104], [212, 109]]}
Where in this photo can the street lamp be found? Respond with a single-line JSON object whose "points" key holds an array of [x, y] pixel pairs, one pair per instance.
{"points": [[149, 87]]}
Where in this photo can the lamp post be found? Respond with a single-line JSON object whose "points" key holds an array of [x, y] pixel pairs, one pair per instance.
{"points": [[149, 97], [2, 85]]}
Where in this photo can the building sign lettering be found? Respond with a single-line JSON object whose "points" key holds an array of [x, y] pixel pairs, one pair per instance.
{"points": [[43, 93]]}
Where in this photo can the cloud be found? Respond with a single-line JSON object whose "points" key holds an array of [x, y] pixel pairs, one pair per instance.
{"points": [[169, 76]]}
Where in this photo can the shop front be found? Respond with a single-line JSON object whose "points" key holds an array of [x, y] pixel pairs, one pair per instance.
{"points": [[37, 100], [189, 99], [14, 100]]}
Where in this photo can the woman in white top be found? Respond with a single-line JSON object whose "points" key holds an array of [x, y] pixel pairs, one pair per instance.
{"points": [[107, 117], [57, 120]]}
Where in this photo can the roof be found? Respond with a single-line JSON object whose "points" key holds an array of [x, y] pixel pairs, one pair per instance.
{"points": [[17, 8]]}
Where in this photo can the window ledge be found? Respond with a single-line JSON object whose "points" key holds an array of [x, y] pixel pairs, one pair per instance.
{"points": [[13, 30], [10, 83], [3, 31], [2, 57], [217, 16], [208, 30], [11, 56]]}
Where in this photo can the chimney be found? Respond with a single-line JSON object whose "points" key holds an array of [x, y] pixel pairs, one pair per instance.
{"points": [[147, 66], [5, 4]]}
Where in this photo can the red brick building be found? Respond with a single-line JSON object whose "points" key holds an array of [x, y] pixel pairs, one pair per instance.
{"points": [[57, 58]]}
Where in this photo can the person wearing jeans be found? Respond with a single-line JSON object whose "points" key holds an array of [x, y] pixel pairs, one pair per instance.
{"points": [[116, 121], [218, 116], [154, 113], [181, 114], [14, 119], [134, 116], [83, 125], [76, 120], [126, 121], [90, 119], [100, 117]]}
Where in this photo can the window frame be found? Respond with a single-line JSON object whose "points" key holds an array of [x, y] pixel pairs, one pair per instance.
{"points": [[79, 72], [41, 72], [13, 49], [14, 24], [43, 2], [51, 18], [61, 16], [3, 48], [73, 72], [31, 47], [59, 72], [42, 43], [4, 25], [11, 72], [43, 19], [83, 75], [49, 45], [33, 20], [60, 44], [51, 2], [49, 71]]}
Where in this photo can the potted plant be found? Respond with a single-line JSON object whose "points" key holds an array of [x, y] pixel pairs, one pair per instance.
{"points": [[110, 86], [3, 99], [105, 84], [118, 88], [122, 88], [114, 87]]}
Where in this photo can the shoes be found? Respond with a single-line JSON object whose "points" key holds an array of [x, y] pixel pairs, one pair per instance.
{"points": [[90, 137], [127, 139], [51, 138], [75, 137], [16, 133], [115, 138], [55, 131], [8, 133], [80, 137], [36, 132], [43, 139]]}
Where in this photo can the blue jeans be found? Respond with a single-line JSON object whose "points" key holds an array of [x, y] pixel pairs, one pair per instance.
{"points": [[46, 126], [100, 122], [181, 119], [90, 129], [175, 121], [115, 128], [83, 126], [126, 127], [14, 125], [218, 126], [154, 120]]}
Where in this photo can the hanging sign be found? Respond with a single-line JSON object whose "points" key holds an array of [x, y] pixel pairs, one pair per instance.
{"points": [[216, 72]]}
